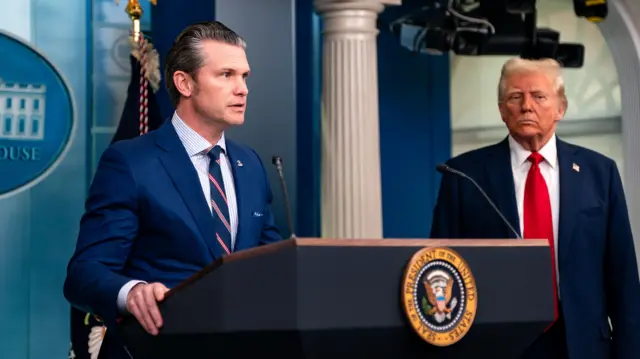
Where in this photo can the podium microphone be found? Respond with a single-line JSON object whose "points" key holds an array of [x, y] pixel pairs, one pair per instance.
{"points": [[442, 168], [277, 161]]}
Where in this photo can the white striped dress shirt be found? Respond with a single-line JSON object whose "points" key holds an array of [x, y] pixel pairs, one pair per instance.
{"points": [[197, 147]]}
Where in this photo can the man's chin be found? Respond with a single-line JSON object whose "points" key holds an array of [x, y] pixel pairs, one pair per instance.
{"points": [[527, 128], [234, 120], [526, 132]]}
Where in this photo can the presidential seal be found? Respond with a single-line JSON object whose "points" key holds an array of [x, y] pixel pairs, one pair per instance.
{"points": [[439, 295]]}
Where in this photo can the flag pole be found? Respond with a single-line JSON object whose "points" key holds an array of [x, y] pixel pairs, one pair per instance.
{"points": [[147, 56], [134, 10]]}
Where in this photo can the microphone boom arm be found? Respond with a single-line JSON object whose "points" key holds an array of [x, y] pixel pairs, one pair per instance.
{"points": [[445, 168], [277, 161]]}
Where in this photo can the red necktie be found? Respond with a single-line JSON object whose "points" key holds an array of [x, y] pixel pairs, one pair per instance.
{"points": [[537, 214]]}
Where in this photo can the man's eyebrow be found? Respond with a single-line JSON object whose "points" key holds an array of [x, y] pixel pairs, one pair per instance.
{"points": [[230, 69]]}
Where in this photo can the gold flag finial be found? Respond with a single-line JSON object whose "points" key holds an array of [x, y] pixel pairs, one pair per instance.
{"points": [[134, 10]]}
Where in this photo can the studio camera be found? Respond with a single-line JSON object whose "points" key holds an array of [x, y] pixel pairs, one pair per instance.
{"points": [[491, 27]]}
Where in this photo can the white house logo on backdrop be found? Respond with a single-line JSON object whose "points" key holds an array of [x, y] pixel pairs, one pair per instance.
{"points": [[36, 116], [22, 111]]}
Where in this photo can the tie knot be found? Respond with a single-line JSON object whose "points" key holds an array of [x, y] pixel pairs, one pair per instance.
{"points": [[536, 158], [214, 153]]}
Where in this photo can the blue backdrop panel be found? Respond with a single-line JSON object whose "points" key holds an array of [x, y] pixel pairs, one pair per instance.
{"points": [[415, 129], [308, 54]]}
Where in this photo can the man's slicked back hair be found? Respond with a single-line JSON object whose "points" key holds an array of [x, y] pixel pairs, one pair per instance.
{"points": [[186, 52]]}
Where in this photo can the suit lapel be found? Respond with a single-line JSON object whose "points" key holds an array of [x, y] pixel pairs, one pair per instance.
{"points": [[501, 188], [570, 184], [237, 161], [185, 178]]}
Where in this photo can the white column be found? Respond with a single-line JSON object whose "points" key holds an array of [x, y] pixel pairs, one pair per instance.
{"points": [[351, 193]]}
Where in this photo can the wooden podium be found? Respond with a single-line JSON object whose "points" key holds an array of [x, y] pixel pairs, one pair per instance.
{"points": [[322, 298]]}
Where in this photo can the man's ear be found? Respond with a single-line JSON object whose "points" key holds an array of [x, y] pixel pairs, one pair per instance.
{"points": [[503, 111], [184, 83], [562, 109]]}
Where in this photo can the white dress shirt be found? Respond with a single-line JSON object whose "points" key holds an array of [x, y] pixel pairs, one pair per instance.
{"points": [[551, 174], [197, 148]]}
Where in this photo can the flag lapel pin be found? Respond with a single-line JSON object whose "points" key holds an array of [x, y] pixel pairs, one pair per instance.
{"points": [[576, 168], [239, 163]]}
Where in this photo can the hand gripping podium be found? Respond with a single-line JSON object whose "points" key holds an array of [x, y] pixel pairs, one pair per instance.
{"points": [[391, 298]]}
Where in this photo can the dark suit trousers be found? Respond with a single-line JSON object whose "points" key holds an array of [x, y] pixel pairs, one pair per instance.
{"points": [[551, 344]]}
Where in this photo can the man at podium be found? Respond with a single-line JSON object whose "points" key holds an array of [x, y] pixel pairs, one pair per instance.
{"points": [[546, 188], [165, 205]]}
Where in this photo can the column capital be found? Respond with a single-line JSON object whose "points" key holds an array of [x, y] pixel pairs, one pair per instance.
{"points": [[325, 6], [350, 16]]}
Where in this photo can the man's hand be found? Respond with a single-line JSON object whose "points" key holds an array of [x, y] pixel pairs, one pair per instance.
{"points": [[142, 303]]}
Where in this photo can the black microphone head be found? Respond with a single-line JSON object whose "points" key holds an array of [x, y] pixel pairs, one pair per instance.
{"points": [[442, 168], [276, 160]]}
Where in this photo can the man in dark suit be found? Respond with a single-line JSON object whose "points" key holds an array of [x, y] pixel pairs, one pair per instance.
{"points": [[164, 205], [548, 188]]}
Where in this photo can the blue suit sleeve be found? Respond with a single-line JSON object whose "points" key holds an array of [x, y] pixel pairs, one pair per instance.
{"points": [[445, 222], [623, 285], [270, 232], [107, 231]]}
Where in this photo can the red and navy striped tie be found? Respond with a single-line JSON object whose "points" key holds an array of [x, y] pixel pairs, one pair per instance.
{"points": [[219, 200]]}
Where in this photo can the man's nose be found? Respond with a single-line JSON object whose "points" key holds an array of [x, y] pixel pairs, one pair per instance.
{"points": [[242, 89], [527, 102]]}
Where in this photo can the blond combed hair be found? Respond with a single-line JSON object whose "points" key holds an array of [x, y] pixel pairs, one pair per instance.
{"points": [[549, 67]]}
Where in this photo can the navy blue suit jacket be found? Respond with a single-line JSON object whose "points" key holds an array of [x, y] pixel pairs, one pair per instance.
{"points": [[147, 219], [597, 260]]}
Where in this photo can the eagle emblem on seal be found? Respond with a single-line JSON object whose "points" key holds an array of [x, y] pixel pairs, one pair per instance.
{"points": [[439, 302]]}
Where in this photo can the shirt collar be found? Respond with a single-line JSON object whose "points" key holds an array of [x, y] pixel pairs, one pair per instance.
{"points": [[519, 155], [192, 141]]}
